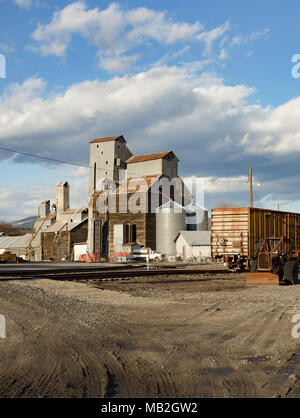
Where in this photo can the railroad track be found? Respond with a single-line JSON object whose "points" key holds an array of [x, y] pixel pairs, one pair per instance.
{"points": [[104, 275]]}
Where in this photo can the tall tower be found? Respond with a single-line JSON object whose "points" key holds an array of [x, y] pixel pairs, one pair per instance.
{"points": [[107, 159], [62, 198]]}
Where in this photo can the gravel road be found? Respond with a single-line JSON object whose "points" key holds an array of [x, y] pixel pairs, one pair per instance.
{"points": [[164, 337]]}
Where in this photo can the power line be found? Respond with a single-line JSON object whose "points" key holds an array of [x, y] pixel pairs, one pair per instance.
{"points": [[27, 154]]}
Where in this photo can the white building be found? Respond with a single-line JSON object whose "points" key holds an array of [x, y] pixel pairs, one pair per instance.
{"points": [[193, 244]]}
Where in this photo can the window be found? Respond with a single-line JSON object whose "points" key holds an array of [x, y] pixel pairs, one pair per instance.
{"points": [[133, 233], [129, 233], [160, 195], [172, 192], [126, 233], [95, 176]]}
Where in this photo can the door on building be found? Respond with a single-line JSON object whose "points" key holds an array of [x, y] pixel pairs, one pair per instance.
{"points": [[184, 252], [104, 243]]}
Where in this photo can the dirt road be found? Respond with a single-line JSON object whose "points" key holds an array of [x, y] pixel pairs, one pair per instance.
{"points": [[159, 337]]}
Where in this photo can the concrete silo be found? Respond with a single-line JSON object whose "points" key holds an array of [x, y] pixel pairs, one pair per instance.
{"points": [[170, 219], [196, 218]]}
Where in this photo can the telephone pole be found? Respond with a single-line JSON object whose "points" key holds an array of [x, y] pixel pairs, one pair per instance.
{"points": [[251, 186]]}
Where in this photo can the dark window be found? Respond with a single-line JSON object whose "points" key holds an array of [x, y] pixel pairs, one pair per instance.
{"points": [[172, 192], [133, 233], [126, 233], [129, 233], [160, 195], [95, 175]]}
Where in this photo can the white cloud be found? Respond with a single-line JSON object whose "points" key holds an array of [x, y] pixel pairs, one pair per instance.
{"points": [[106, 28], [24, 4], [114, 32], [214, 185], [119, 64], [18, 201], [164, 102], [253, 36], [209, 37], [207, 123], [223, 54], [77, 172]]}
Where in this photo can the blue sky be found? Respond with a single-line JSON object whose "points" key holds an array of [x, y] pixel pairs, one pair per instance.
{"points": [[210, 80]]}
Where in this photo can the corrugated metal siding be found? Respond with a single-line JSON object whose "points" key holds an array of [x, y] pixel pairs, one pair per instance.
{"points": [[237, 230], [229, 231], [22, 241]]}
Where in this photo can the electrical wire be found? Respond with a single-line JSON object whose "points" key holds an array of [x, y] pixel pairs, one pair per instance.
{"points": [[27, 154]]}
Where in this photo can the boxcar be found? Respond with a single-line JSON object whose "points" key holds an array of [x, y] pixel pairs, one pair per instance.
{"points": [[236, 233]]}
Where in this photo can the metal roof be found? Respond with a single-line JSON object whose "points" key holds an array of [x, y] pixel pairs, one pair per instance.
{"points": [[149, 157], [108, 138], [196, 237], [22, 241], [62, 226]]}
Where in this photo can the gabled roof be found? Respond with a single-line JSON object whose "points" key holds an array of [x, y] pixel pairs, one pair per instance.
{"points": [[149, 157], [62, 183], [63, 226], [108, 138], [196, 237]]}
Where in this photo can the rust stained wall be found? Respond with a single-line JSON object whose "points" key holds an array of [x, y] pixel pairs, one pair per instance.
{"points": [[237, 230], [56, 248], [53, 248]]}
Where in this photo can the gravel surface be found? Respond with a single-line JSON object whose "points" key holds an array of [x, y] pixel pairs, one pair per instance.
{"points": [[161, 337]]}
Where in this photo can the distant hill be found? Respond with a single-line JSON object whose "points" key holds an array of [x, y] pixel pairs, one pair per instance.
{"points": [[26, 223]]}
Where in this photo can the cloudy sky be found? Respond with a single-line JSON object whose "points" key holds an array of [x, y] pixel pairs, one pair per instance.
{"points": [[211, 80]]}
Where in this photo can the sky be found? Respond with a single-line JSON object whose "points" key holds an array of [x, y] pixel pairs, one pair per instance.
{"points": [[215, 81]]}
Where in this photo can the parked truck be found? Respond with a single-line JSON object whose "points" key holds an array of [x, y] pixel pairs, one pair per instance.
{"points": [[142, 254], [8, 257], [240, 235]]}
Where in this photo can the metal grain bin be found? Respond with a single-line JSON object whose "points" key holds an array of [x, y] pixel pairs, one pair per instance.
{"points": [[196, 217], [170, 219]]}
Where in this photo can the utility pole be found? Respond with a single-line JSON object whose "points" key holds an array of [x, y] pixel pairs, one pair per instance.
{"points": [[251, 186]]}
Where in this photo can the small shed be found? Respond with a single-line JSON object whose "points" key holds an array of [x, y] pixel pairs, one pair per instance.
{"points": [[193, 244]]}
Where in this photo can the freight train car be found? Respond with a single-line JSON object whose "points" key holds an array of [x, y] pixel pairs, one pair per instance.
{"points": [[238, 233]]}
